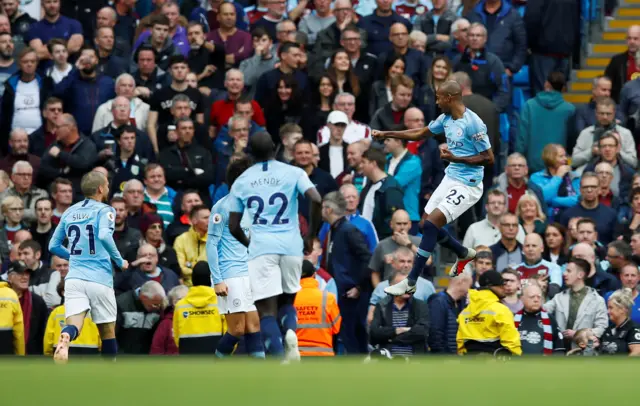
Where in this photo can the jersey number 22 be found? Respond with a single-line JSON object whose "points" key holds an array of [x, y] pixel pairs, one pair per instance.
{"points": [[272, 201]]}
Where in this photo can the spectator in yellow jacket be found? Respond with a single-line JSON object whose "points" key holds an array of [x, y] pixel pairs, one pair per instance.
{"points": [[486, 326], [197, 322], [191, 246], [88, 342], [11, 323]]}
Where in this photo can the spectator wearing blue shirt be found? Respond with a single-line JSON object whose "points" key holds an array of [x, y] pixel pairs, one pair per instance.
{"points": [[54, 25], [84, 90], [630, 276], [177, 33], [590, 207], [444, 308], [416, 64], [378, 25], [350, 194], [406, 168], [507, 34]]}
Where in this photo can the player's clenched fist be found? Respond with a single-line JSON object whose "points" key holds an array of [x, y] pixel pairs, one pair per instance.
{"points": [[378, 135]]}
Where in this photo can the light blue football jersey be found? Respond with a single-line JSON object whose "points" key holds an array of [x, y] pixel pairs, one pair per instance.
{"points": [[465, 137], [227, 257], [269, 192], [89, 226]]}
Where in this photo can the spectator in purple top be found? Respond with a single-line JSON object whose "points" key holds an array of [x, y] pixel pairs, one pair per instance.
{"points": [[54, 25], [177, 32], [237, 43]]}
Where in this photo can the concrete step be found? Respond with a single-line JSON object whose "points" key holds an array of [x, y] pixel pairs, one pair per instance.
{"points": [[589, 73], [626, 12], [615, 35], [609, 49], [597, 62], [622, 25], [577, 98], [580, 86]]}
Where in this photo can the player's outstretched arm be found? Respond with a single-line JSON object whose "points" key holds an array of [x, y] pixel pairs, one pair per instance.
{"points": [[55, 244], [482, 159], [236, 230], [407, 135]]}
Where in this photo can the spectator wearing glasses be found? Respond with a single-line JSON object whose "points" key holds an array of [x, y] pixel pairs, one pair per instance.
{"points": [[43, 137], [487, 231], [23, 188], [12, 209], [19, 144], [508, 251], [512, 288], [609, 146], [590, 207], [587, 149], [138, 315], [515, 182]]}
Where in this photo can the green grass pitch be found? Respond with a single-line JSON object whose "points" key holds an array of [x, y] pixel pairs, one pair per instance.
{"points": [[238, 382]]}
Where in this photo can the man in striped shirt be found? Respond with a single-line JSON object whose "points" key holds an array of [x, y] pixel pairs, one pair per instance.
{"points": [[157, 192]]}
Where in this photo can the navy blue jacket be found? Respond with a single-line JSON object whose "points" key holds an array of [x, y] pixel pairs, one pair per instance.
{"points": [[626, 177], [348, 257], [323, 182], [553, 26], [487, 75], [82, 97], [427, 24], [432, 166], [508, 37], [377, 29], [603, 282], [605, 218], [416, 65], [443, 327], [586, 115], [126, 281], [388, 199], [267, 85], [113, 66]]}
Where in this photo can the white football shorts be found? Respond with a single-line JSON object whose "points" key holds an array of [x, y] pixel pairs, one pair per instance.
{"points": [[239, 298], [273, 274], [100, 300], [453, 198]]}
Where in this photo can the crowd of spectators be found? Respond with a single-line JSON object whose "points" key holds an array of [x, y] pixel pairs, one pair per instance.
{"points": [[161, 96]]}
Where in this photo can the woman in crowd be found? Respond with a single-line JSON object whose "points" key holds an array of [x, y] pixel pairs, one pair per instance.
{"points": [[342, 73], [560, 186], [393, 66], [426, 95], [318, 111], [622, 337], [554, 244], [163, 342], [571, 236], [530, 214], [286, 106], [630, 223]]}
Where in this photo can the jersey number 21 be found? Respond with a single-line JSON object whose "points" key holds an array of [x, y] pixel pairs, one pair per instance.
{"points": [[74, 234]]}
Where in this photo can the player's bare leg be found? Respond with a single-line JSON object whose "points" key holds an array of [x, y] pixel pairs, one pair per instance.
{"points": [[71, 330], [109, 343], [433, 233]]}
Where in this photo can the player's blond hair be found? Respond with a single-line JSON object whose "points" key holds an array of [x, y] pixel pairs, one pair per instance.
{"points": [[91, 182]]}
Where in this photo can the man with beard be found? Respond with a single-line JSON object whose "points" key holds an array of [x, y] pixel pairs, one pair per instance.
{"points": [[539, 333], [84, 90], [20, 22], [7, 64], [54, 25]]}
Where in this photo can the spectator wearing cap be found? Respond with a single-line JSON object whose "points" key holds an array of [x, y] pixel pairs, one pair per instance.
{"points": [[487, 231], [319, 319], [355, 131], [19, 144], [405, 168], [586, 152], [416, 63], [206, 60], [391, 115], [157, 193], [201, 334], [235, 42], [138, 109], [589, 206], [152, 230], [508, 251], [181, 223], [266, 86], [378, 24], [44, 136], [176, 33], [88, 341], [507, 36], [146, 268], [84, 89], [34, 310], [23, 82], [545, 119], [11, 322], [30, 253], [436, 24], [333, 156], [486, 326], [223, 110], [148, 75], [23, 188], [485, 69], [263, 60], [303, 158], [190, 246], [138, 316], [163, 342], [539, 333], [125, 237], [382, 195], [444, 308], [401, 323], [54, 25], [578, 306], [345, 257]]}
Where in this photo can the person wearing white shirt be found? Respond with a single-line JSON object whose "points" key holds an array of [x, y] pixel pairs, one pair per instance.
{"points": [[487, 231], [61, 67], [333, 156], [355, 131]]}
